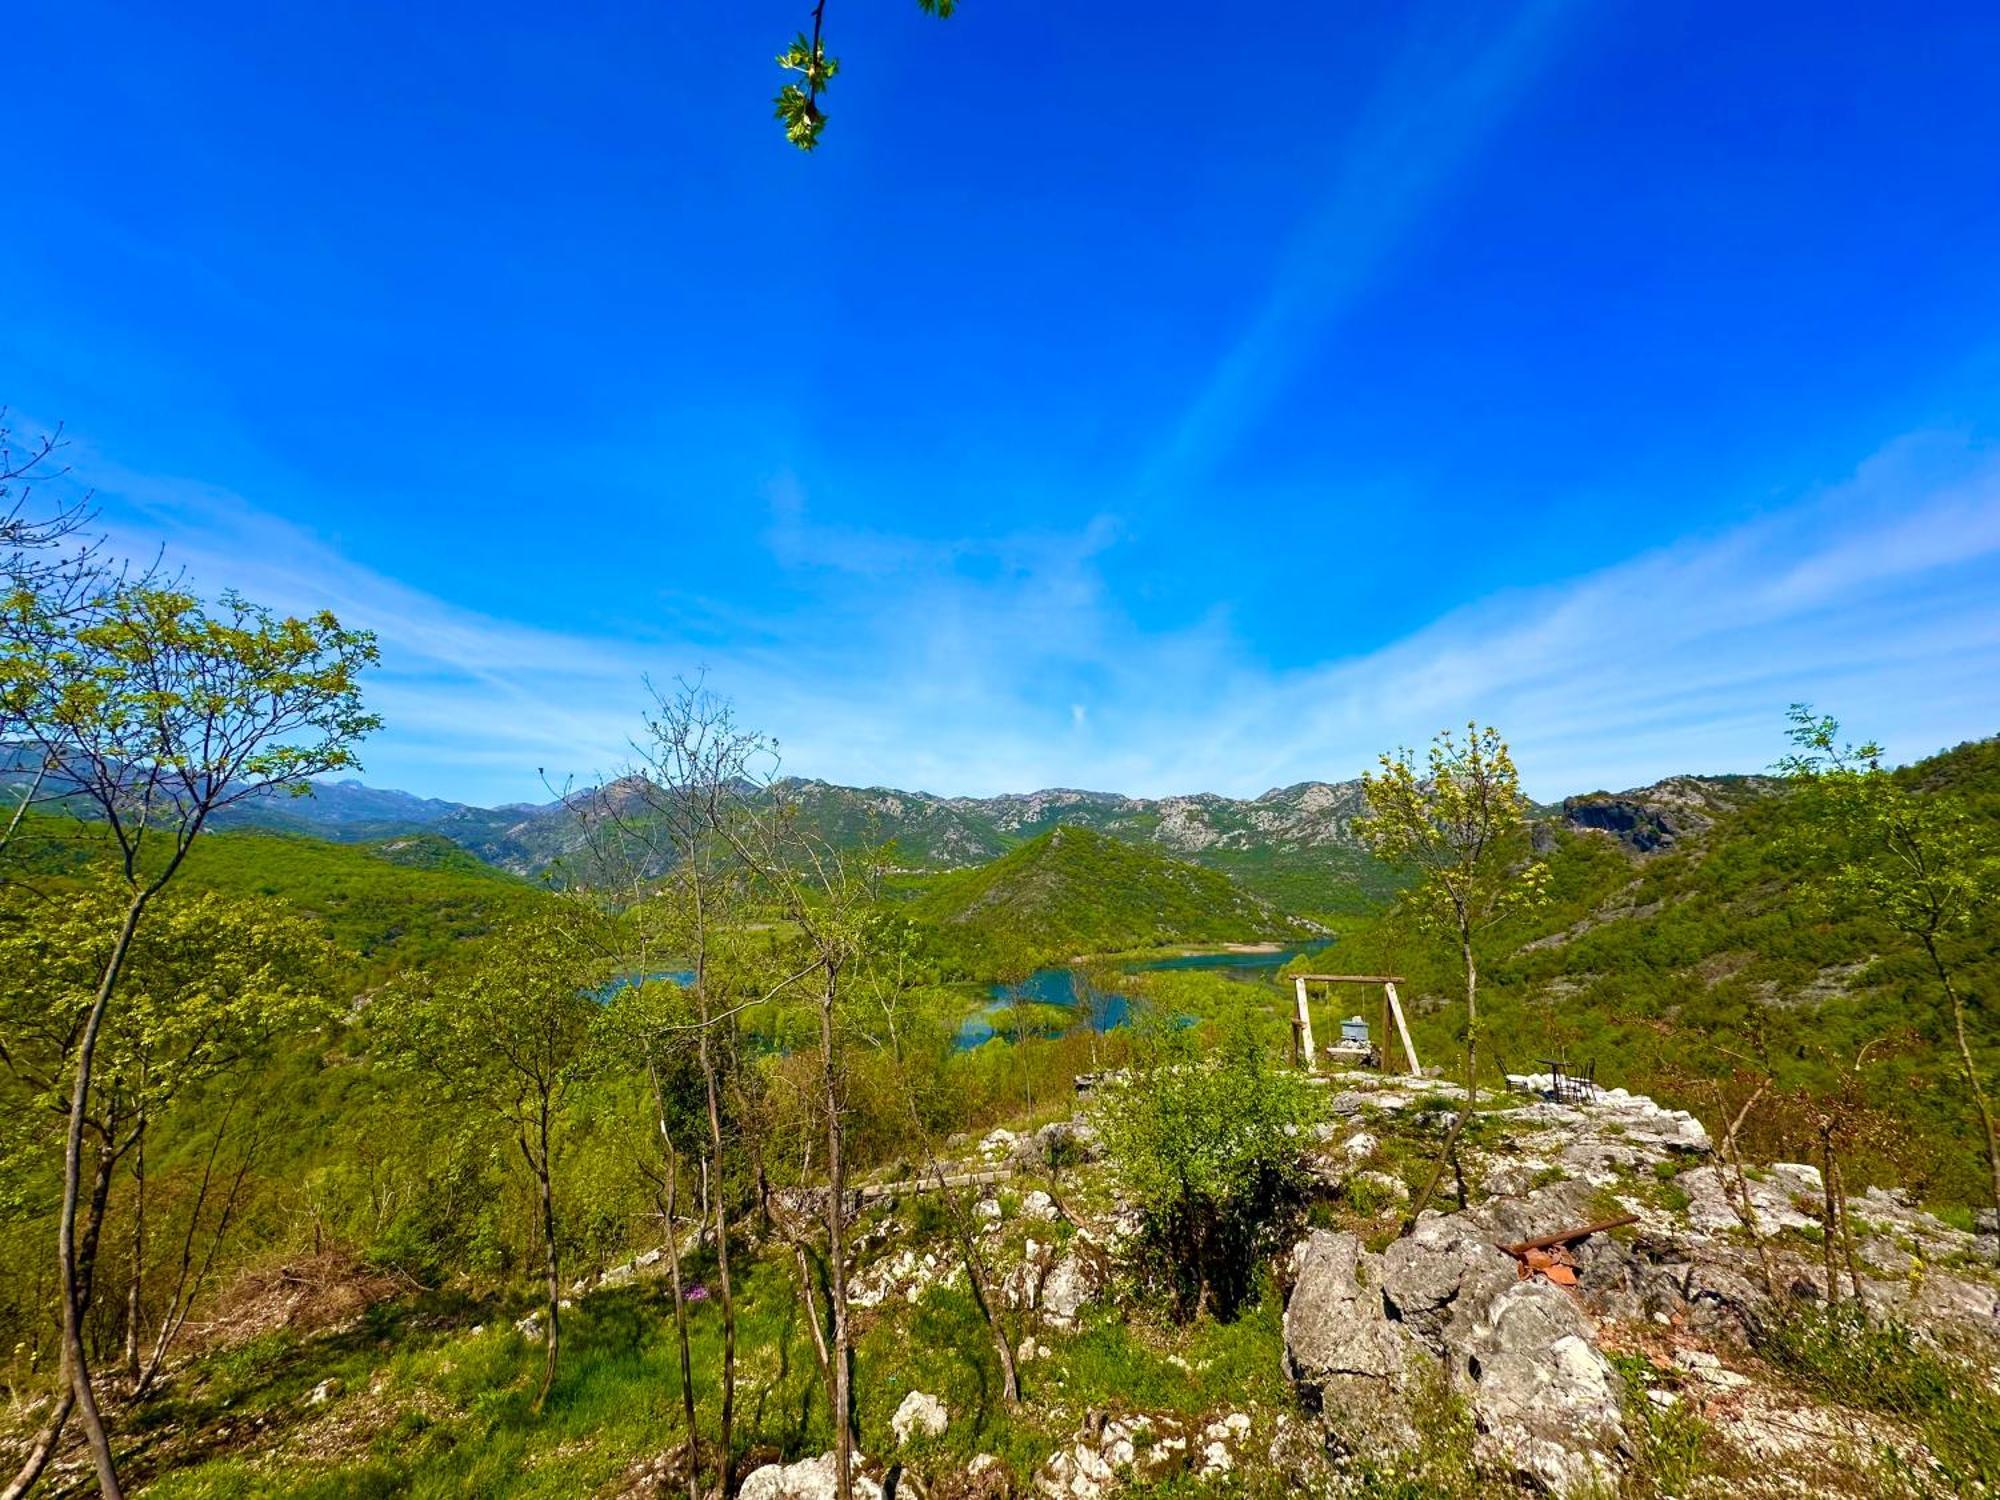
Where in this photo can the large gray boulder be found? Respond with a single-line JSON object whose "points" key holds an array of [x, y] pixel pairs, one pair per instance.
{"points": [[1348, 1359], [1545, 1400]]}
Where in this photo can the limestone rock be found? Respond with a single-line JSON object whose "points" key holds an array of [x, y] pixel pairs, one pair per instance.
{"points": [[920, 1415], [1709, 1370], [1363, 1331], [987, 1477], [1545, 1399], [1710, 1208], [1061, 1144], [1071, 1285], [1341, 1348], [808, 1479], [1143, 1448]]}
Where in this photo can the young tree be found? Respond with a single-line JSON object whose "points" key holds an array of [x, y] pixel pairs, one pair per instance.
{"points": [[661, 846], [1209, 1149], [651, 1020], [695, 759], [827, 895], [510, 1034], [156, 711], [1460, 825], [210, 984], [1919, 859]]}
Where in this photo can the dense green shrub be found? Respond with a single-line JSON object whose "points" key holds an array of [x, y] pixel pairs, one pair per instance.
{"points": [[1209, 1148]]}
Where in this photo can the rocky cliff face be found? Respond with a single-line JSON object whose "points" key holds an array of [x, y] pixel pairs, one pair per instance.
{"points": [[1651, 818]]}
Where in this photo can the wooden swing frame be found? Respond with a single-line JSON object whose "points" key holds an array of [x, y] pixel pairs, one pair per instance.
{"points": [[1392, 1015]]}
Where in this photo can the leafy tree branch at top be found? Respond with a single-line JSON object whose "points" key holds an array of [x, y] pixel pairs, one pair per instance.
{"points": [[798, 108]]}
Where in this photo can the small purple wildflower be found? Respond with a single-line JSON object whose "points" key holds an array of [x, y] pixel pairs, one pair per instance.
{"points": [[697, 1293]]}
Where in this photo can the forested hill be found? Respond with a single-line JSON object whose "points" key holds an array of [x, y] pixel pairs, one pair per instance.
{"points": [[1075, 891], [1680, 947], [389, 904]]}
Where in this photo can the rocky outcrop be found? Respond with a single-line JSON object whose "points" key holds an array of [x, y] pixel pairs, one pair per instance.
{"points": [[1109, 1452], [1349, 1358], [1657, 817], [1366, 1333], [1643, 828], [1543, 1396], [1370, 1336], [808, 1479], [1057, 1283]]}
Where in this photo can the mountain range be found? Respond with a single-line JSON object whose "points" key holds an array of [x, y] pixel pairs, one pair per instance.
{"points": [[1294, 846]]}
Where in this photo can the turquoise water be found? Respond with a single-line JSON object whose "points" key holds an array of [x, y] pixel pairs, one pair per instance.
{"points": [[681, 977], [1101, 1010], [1066, 989]]}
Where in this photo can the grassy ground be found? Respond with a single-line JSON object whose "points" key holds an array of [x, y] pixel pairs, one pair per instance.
{"points": [[434, 1395]]}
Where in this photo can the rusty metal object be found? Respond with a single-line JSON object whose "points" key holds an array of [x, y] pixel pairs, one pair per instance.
{"points": [[1550, 1256], [1556, 1265], [1568, 1236]]}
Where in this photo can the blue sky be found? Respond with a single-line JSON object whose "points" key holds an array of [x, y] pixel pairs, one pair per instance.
{"points": [[1160, 398]]}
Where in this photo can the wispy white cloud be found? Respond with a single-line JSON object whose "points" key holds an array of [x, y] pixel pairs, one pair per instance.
{"points": [[1009, 663], [1455, 81]]}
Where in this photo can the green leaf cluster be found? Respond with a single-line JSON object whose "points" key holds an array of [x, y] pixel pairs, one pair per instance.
{"points": [[1211, 1150]]}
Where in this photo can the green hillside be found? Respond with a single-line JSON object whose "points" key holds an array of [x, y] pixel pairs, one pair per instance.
{"points": [[1073, 891], [1674, 969], [401, 901]]}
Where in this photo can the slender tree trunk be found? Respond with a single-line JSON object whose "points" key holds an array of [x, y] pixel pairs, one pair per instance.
{"points": [[1423, 1199], [50, 1436], [720, 1202], [836, 1245], [816, 1325], [1448, 1156], [1471, 1019], [544, 1177], [975, 1276], [189, 1281], [135, 1290], [93, 1224], [680, 1291], [21, 811], [1847, 1234], [1829, 1217], [1745, 1206], [75, 1359], [1971, 1069]]}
